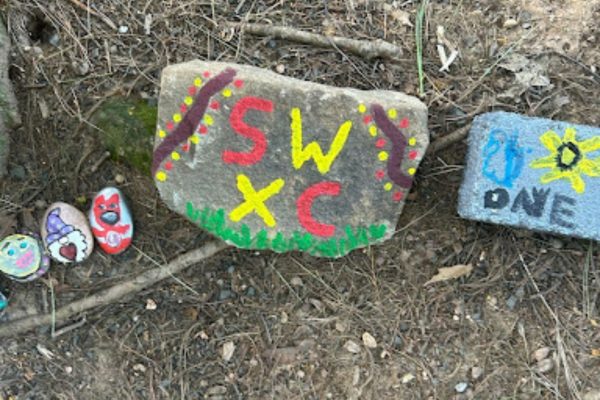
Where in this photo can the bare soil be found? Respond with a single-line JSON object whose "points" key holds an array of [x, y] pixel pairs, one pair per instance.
{"points": [[290, 317]]}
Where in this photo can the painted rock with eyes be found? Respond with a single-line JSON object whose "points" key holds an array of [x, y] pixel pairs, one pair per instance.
{"points": [[111, 221], [66, 234], [264, 161], [22, 258]]}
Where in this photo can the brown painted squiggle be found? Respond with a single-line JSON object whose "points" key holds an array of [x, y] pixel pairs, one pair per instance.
{"points": [[193, 117], [394, 164]]}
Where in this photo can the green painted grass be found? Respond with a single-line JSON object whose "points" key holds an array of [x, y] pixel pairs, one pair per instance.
{"points": [[215, 222]]}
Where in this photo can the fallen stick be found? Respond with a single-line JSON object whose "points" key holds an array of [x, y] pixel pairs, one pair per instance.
{"points": [[449, 139], [110, 295], [368, 49]]}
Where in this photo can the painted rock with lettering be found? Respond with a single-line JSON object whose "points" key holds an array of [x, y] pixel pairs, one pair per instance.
{"points": [[66, 234], [22, 258], [263, 161], [111, 221], [533, 173]]}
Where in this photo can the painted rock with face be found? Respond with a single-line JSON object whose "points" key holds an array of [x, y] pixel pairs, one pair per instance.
{"points": [[111, 221], [66, 234], [22, 258]]}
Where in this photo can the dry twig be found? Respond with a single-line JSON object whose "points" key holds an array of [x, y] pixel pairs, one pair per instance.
{"points": [[364, 48], [449, 139], [114, 293]]}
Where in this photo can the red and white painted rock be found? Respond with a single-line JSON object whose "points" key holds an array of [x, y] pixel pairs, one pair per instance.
{"points": [[111, 221], [66, 234]]}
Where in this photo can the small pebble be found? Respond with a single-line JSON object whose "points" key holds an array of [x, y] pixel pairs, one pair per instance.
{"points": [[541, 354], [280, 68], [151, 305], [68, 369], [406, 378], [123, 29], [352, 347], [227, 351], [139, 368], [476, 373], [461, 387], [545, 365], [369, 341], [296, 281], [40, 204], [510, 23], [119, 179]]}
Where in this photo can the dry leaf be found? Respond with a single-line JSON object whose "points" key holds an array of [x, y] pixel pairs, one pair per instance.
{"points": [[227, 351], [447, 273], [369, 340], [402, 17]]}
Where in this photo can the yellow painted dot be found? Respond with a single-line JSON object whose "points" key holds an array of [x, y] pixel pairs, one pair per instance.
{"points": [[195, 139], [227, 92], [373, 130], [208, 120], [388, 186], [175, 155], [392, 113], [162, 134], [197, 82], [188, 100], [161, 176], [412, 171], [362, 108], [177, 118], [412, 141], [383, 155]]}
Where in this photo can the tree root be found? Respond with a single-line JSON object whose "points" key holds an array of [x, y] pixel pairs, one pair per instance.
{"points": [[142, 281], [368, 49]]}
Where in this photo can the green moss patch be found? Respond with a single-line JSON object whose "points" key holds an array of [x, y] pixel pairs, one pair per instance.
{"points": [[127, 129]]}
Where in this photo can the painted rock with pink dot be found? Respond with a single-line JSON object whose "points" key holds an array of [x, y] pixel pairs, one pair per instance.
{"points": [[66, 234], [22, 258], [264, 161], [111, 221]]}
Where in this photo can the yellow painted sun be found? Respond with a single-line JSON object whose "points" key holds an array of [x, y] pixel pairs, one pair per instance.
{"points": [[568, 158]]}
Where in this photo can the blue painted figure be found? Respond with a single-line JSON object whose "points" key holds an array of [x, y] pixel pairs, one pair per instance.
{"points": [[512, 157]]}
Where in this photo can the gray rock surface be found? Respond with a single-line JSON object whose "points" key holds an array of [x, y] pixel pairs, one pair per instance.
{"points": [[9, 116], [269, 162]]}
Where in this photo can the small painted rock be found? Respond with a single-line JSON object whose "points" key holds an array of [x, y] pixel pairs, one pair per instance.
{"points": [[111, 222], [66, 234], [22, 258], [3, 301]]}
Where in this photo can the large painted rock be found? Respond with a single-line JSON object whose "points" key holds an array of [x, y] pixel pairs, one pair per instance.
{"points": [[22, 258], [268, 162], [66, 234], [111, 221], [533, 173]]}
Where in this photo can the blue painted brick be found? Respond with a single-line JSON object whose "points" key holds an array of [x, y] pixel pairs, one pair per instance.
{"points": [[533, 173]]}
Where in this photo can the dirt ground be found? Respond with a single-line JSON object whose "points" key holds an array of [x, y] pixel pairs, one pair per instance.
{"points": [[524, 325]]}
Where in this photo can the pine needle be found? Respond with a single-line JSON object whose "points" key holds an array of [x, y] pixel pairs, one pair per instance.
{"points": [[419, 43]]}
